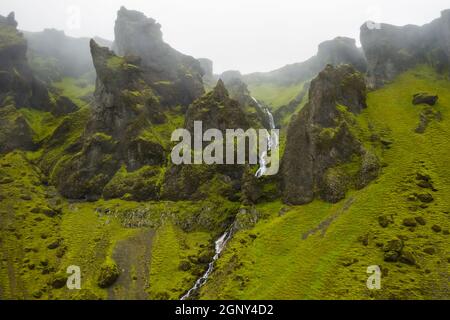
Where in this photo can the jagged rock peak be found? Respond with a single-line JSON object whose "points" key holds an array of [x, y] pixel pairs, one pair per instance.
{"points": [[177, 76], [319, 139], [10, 20], [391, 50], [342, 50], [341, 85], [220, 91], [230, 75], [207, 66]]}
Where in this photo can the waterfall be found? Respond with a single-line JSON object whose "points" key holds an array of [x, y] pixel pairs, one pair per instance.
{"points": [[219, 246], [272, 141]]}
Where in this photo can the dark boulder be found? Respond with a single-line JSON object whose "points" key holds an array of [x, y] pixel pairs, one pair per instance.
{"points": [[178, 76], [424, 98]]}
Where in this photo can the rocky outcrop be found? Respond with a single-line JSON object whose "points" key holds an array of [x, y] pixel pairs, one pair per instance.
{"points": [[209, 78], [177, 77], [340, 50], [216, 110], [230, 75], [254, 109], [124, 106], [320, 140], [425, 98], [15, 133], [207, 67], [16, 77], [391, 50]]}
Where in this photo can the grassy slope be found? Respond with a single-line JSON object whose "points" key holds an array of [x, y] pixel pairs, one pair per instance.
{"points": [[275, 96], [91, 234], [278, 263], [281, 264]]}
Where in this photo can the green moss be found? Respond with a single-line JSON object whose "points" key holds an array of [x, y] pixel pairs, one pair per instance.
{"points": [[143, 184], [42, 123], [109, 272], [274, 95], [171, 248], [304, 253], [74, 90]]}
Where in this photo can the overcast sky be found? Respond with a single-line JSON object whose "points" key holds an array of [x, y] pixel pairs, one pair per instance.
{"points": [[245, 35]]}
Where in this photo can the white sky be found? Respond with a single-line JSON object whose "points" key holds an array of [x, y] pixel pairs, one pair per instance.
{"points": [[245, 35]]}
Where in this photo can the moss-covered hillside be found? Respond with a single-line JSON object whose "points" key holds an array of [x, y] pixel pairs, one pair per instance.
{"points": [[322, 251]]}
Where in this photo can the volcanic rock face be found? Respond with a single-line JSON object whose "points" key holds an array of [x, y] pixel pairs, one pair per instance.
{"points": [[319, 140], [391, 50], [341, 50], [217, 110], [178, 78], [16, 78], [207, 67], [124, 106]]}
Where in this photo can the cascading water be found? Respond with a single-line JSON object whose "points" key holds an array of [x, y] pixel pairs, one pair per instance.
{"points": [[220, 245], [272, 141]]}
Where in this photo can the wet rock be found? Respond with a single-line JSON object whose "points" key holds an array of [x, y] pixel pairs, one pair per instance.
{"points": [[424, 98], [59, 280]]}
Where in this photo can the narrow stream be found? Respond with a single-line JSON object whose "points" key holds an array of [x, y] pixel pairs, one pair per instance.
{"points": [[220, 245], [272, 141]]}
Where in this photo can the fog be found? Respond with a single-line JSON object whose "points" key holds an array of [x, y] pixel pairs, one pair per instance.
{"points": [[250, 35]]}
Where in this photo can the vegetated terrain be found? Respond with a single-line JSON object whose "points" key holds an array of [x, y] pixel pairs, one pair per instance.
{"points": [[322, 250], [86, 179]]}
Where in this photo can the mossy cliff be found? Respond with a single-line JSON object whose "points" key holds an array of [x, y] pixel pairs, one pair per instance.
{"points": [[177, 77], [16, 78], [124, 106], [324, 155], [364, 181], [391, 50]]}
